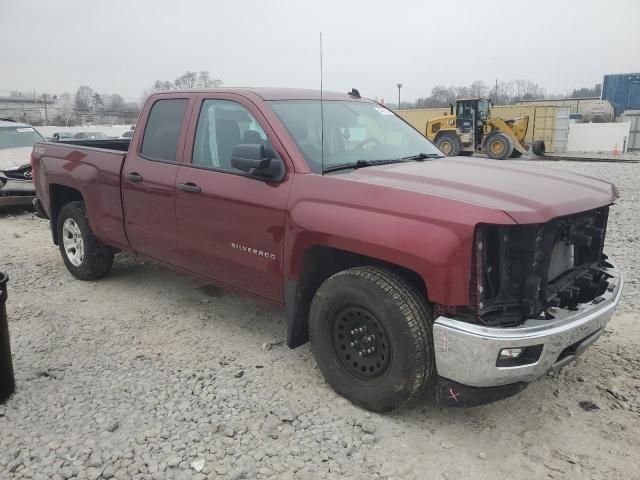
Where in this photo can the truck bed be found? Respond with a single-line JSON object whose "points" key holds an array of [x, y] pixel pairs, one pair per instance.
{"points": [[91, 167]]}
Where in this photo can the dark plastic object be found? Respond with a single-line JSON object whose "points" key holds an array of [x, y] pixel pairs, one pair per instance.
{"points": [[455, 394], [7, 380]]}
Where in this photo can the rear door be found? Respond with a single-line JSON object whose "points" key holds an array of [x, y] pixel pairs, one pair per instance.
{"points": [[149, 174], [231, 226]]}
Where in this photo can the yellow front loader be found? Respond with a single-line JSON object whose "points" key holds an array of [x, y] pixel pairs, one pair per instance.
{"points": [[472, 129]]}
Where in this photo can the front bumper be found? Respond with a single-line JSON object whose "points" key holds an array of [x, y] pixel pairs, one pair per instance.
{"points": [[16, 192], [468, 353]]}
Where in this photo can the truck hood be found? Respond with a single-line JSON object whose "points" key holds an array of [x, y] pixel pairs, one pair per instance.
{"points": [[14, 158], [527, 193]]}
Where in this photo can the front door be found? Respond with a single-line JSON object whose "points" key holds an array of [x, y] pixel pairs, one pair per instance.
{"points": [[148, 180], [231, 226]]}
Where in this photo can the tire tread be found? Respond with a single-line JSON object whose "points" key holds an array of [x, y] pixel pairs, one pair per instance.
{"points": [[98, 258], [414, 308]]}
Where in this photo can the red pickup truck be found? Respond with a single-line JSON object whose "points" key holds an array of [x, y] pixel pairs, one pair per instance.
{"points": [[410, 273]]}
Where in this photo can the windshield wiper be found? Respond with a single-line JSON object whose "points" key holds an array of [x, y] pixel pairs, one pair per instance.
{"points": [[360, 164], [422, 156]]}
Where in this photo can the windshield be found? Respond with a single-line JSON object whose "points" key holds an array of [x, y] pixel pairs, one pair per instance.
{"points": [[17, 137], [353, 131]]}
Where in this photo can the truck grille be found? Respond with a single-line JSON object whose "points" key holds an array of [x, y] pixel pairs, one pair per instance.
{"points": [[521, 270]]}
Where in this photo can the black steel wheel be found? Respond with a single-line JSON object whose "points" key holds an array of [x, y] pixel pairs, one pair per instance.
{"points": [[361, 343], [370, 331]]}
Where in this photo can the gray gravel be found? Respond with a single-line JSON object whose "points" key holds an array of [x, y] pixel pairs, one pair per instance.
{"points": [[148, 374]]}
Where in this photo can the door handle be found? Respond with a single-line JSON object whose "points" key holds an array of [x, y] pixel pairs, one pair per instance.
{"points": [[189, 187], [134, 177]]}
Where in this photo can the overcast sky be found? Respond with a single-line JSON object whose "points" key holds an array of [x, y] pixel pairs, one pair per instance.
{"points": [[122, 46]]}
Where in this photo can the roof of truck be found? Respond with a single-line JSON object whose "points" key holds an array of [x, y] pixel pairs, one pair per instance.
{"points": [[272, 93]]}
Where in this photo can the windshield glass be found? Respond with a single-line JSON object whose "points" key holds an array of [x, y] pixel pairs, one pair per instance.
{"points": [[353, 131], [17, 137]]}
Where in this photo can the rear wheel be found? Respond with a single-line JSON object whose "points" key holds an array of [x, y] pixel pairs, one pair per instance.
{"points": [[449, 144], [370, 331], [83, 254], [498, 146]]}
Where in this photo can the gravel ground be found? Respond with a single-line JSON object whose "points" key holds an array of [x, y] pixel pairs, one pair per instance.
{"points": [[148, 374]]}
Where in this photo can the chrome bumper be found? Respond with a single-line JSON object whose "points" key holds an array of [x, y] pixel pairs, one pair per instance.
{"points": [[468, 353]]}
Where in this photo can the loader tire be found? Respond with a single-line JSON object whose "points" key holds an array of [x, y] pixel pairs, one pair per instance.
{"points": [[498, 146], [449, 144], [371, 334]]}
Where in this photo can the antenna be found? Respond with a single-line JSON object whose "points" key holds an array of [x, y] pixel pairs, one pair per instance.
{"points": [[321, 114]]}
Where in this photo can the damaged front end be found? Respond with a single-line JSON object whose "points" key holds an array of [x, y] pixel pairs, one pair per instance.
{"points": [[525, 271], [541, 295]]}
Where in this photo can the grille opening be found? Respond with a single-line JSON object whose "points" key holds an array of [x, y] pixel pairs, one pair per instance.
{"points": [[518, 271]]}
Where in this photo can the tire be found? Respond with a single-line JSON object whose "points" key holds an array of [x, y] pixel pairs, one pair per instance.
{"points": [[83, 254], [449, 144], [498, 146], [538, 147], [401, 368]]}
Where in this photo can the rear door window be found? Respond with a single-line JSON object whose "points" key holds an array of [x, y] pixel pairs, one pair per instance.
{"points": [[160, 141]]}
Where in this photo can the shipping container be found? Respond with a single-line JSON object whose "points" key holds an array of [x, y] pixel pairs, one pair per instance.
{"points": [[622, 91], [577, 105]]}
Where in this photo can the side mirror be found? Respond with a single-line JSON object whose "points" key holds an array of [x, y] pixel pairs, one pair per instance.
{"points": [[256, 161]]}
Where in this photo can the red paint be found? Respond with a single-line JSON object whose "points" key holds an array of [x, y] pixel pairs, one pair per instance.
{"points": [[418, 215]]}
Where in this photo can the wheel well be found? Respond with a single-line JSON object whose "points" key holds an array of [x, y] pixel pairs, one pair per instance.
{"points": [[448, 133], [318, 264], [59, 196]]}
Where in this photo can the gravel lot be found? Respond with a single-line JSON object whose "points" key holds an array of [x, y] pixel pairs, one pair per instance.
{"points": [[148, 374]]}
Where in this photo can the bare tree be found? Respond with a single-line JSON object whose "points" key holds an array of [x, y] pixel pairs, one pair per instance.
{"points": [[98, 102], [478, 89], [186, 80], [115, 103], [587, 92], [206, 81], [202, 79], [84, 99]]}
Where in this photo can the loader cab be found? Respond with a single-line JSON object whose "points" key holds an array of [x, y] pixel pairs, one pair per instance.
{"points": [[471, 116]]}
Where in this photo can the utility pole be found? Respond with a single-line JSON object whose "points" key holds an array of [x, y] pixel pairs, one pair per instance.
{"points": [[496, 95], [46, 116], [399, 87]]}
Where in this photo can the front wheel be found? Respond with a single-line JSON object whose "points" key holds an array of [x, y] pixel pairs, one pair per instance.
{"points": [[370, 332], [449, 144], [498, 146], [83, 254]]}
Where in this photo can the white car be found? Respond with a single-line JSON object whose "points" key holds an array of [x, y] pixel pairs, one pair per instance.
{"points": [[16, 144]]}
